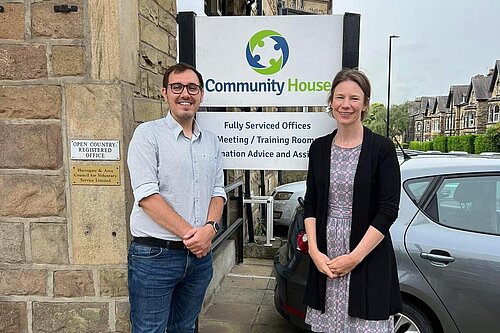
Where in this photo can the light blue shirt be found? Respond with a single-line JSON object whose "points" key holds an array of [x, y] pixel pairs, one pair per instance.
{"points": [[187, 173]]}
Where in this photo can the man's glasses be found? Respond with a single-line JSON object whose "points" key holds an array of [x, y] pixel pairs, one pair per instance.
{"points": [[178, 88]]}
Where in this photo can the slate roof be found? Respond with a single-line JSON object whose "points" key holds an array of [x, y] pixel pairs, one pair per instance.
{"points": [[441, 104], [456, 95], [495, 75], [414, 107], [481, 86]]}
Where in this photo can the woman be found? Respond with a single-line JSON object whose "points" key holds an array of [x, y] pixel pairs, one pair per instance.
{"points": [[352, 198]]}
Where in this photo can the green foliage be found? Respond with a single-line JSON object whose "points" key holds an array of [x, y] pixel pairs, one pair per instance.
{"points": [[376, 118], [415, 145], [398, 119], [260, 227], [439, 143], [493, 133], [462, 143], [484, 143], [427, 145], [454, 143]]}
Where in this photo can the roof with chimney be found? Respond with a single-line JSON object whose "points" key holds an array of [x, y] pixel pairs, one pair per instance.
{"points": [[457, 95], [480, 85]]}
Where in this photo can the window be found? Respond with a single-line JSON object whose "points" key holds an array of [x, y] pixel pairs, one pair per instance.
{"points": [[471, 119], [468, 203], [468, 120], [416, 188], [419, 126], [436, 126], [496, 114], [490, 114]]}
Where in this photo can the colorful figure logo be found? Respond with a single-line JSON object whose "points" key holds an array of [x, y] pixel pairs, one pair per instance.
{"points": [[255, 46]]}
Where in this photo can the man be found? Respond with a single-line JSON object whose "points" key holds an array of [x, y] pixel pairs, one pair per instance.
{"points": [[178, 183]]}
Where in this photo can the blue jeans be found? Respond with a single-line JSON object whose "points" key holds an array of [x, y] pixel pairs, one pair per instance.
{"points": [[166, 288]]}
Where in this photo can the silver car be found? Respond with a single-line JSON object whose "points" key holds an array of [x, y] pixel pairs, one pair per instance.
{"points": [[285, 201], [447, 244]]}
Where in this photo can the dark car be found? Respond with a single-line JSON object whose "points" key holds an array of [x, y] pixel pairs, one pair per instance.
{"points": [[447, 245]]}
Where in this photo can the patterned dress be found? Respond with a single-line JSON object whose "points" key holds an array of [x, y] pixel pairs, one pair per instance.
{"points": [[343, 164]]}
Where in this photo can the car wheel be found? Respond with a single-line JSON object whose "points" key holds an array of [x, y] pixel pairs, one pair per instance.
{"points": [[411, 320]]}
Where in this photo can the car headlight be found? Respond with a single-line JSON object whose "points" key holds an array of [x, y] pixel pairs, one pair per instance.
{"points": [[283, 195]]}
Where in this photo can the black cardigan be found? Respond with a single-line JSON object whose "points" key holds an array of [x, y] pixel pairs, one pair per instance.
{"points": [[374, 287]]}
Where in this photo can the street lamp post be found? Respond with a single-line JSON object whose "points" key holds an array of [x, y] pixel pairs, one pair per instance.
{"points": [[389, 84]]}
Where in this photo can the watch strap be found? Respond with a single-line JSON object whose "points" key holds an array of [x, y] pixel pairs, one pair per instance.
{"points": [[214, 225]]}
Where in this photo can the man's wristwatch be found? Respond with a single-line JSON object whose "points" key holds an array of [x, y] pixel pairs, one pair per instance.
{"points": [[214, 225]]}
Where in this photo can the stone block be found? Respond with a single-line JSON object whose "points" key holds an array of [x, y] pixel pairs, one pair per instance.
{"points": [[32, 196], [172, 46], [13, 317], [113, 282], [31, 146], [147, 109], [99, 223], [68, 60], [12, 242], [70, 317], [23, 282], [143, 82], [12, 21], [153, 35], [155, 83], [122, 317], [47, 23], [169, 6], [94, 111], [30, 102], [104, 37], [148, 57], [73, 284], [167, 22], [49, 243], [129, 40], [164, 61], [22, 62], [149, 10]]}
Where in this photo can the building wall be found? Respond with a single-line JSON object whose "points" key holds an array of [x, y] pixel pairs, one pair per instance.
{"points": [[94, 74]]}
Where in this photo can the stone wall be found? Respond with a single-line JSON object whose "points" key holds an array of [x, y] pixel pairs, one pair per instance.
{"points": [[92, 74]]}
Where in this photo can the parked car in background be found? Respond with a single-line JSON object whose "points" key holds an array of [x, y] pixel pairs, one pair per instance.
{"points": [[285, 201], [447, 245]]}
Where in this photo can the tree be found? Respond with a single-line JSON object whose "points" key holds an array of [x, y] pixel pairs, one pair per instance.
{"points": [[398, 119], [376, 118]]}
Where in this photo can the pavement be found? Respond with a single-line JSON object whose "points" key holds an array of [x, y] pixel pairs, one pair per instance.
{"points": [[244, 302]]}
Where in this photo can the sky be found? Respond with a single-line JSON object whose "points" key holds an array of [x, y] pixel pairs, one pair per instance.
{"points": [[442, 43]]}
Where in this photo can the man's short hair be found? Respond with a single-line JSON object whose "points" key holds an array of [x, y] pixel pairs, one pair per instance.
{"points": [[179, 68]]}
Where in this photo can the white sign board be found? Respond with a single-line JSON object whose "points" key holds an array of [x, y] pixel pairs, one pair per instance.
{"points": [[266, 140], [106, 150], [268, 60]]}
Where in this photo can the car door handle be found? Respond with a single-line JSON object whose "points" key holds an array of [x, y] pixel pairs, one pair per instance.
{"points": [[440, 258]]}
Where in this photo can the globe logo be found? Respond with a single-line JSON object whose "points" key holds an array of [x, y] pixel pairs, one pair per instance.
{"points": [[267, 52]]}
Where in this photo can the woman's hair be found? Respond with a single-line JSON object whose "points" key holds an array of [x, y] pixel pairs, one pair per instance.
{"points": [[358, 77]]}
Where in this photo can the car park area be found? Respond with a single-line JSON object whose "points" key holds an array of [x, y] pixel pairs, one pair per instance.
{"points": [[447, 244]]}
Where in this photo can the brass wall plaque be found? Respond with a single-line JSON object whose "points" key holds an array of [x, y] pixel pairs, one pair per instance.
{"points": [[95, 175]]}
